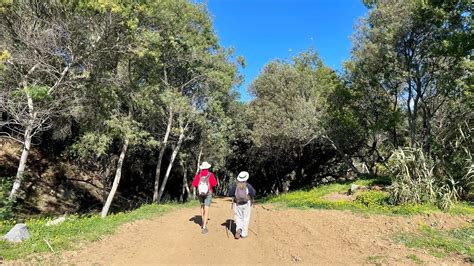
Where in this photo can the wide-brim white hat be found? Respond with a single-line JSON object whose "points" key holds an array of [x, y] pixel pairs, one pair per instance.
{"points": [[205, 165], [243, 176]]}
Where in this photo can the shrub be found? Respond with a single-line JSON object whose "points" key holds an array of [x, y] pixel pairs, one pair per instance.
{"points": [[454, 158], [372, 198], [417, 180]]}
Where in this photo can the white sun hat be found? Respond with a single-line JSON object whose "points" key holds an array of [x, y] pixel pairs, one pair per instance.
{"points": [[243, 176], [205, 165]]}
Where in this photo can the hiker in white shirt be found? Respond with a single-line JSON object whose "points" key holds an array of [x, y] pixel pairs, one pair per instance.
{"points": [[242, 193]]}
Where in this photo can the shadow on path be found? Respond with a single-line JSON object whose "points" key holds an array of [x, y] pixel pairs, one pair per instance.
{"points": [[230, 225], [197, 219]]}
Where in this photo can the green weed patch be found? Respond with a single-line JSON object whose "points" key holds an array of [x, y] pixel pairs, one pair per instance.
{"points": [[441, 243], [415, 259], [74, 230], [370, 201]]}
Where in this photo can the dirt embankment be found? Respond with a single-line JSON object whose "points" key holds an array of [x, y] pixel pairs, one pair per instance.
{"points": [[51, 187], [277, 237]]}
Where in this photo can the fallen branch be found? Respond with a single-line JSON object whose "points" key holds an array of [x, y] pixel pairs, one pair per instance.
{"points": [[49, 245]]}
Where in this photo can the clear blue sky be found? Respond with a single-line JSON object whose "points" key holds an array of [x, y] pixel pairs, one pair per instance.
{"points": [[263, 30]]}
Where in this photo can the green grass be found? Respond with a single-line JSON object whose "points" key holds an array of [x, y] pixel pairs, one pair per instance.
{"points": [[377, 260], [371, 201], [74, 230], [415, 259], [441, 243]]}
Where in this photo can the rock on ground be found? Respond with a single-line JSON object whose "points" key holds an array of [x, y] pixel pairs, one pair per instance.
{"points": [[56, 221], [18, 233]]}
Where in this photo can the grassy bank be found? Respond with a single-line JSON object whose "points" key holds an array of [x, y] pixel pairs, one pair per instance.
{"points": [[441, 243], [74, 230], [371, 201]]}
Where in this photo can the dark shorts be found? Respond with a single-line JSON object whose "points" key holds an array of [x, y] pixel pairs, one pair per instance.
{"points": [[206, 201]]}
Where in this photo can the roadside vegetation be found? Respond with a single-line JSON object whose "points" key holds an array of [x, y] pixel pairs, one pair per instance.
{"points": [[372, 198], [76, 230], [441, 243], [107, 105], [376, 199]]}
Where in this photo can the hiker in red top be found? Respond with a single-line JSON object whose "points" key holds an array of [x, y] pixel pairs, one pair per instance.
{"points": [[204, 181]]}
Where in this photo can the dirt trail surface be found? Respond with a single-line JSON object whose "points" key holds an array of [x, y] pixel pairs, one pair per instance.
{"points": [[278, 236]]}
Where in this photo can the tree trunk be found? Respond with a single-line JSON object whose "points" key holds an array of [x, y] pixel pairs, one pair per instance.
{"points": [[186, 186], [118, 175], [197, 166], [170, 165], [160, 157], [345, 158], [21, 166], [185, 189], [199, 157], [426, 131], [26, 147], [394, 128]]}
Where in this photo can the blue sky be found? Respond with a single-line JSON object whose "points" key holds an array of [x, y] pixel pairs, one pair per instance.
{"points": [[263, 30]]}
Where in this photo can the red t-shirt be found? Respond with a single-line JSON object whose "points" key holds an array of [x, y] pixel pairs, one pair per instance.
{"points": [[212, 179]]}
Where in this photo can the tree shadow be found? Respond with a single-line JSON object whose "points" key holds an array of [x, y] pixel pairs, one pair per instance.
{"points": [[230, 225], [197, 219]]}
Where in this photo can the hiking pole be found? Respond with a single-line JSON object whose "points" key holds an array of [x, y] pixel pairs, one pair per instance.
{"points": [[227, 231], [250, 229], [228, 227]]}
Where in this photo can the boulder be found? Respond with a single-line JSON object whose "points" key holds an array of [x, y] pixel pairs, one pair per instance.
{"points": [[56, 221], [17, 234], [354, 188]]}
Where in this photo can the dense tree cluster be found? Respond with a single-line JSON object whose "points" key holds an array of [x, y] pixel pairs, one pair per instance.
{"points": [[116, 85], [137, 93], [403, 102]]}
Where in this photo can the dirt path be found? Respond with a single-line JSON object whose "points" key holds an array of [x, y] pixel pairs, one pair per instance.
{"points": [[279, 236]]}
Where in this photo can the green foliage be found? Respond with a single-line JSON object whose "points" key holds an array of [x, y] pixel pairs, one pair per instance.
{"points": [[291, 98], [377, 260], [4, 56], [91, 144], [38, 93], [441, 243], [415, 259], [372, 198], [408, 77], [366, 202], [4, 4], [454, 156], [416, 181], [287, 124], [75, 230], [133, 64], [6, 205], [125, 127]]}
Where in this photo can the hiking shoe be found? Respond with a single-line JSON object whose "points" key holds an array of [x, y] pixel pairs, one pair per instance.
{"points": [[237, 234], [204, 231]]}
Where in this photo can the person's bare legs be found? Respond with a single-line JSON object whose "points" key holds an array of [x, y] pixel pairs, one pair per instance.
{"points": [[205, 213], [202, 216], [205, 216]]}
